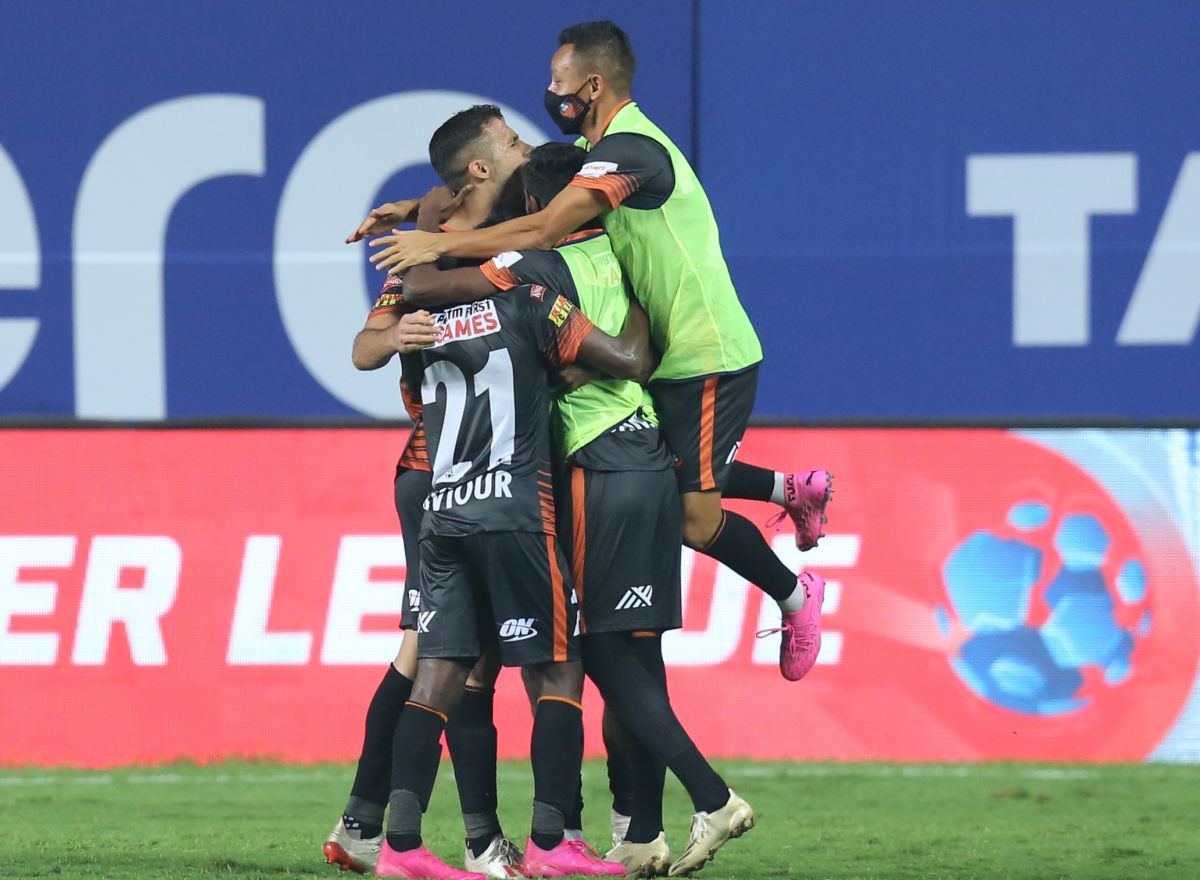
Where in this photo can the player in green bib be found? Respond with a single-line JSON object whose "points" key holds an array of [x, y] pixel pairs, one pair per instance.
{"points": [[663, 231]]}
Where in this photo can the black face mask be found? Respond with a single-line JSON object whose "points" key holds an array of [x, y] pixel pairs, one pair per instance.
{"points": [[568, 111]]}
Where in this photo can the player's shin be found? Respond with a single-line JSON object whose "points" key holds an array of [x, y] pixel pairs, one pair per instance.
{"points": [[471, 738], [618, 742], [740, 546], [753, 483], [369, 793], [556, 751], [418, 739], [642, 704]]}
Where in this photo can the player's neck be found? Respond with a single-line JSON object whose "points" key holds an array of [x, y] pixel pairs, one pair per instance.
{"points": [[600, 118], [476, 208]]}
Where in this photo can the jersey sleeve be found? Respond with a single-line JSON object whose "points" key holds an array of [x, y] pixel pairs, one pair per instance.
{"points": [[391, 299], [558, 324], [514, 268], [412, 373], [628, 168]]}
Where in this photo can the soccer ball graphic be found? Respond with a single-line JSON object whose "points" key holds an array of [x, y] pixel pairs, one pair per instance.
{"points": [[1043, 612]]}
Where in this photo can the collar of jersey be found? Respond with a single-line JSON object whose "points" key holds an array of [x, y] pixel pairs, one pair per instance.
{"points": [[581, 235], [613, 115]]}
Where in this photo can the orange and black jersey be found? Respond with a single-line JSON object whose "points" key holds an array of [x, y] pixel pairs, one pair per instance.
{"points": [[547, 268], [629, 169], [414, 456], [487, 410]]}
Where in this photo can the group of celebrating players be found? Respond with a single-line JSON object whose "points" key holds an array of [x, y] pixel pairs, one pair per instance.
{"points": [[580, 373]]}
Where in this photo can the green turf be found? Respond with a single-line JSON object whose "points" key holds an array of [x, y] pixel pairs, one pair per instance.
{"points": [[263, 820]]}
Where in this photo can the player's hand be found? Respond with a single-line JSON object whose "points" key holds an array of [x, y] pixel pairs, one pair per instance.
{"points": [[414, 332], [439, 205], [399, 250], [384, 217], [573, 376]]}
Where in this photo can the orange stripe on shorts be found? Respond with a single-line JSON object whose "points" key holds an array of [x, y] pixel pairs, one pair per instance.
{"points": [[560, 603], [708, 413], [578, 537]]}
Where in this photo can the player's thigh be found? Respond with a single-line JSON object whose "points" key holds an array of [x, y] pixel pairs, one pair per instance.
{"points": [[626, 528], [449, 622], [411, 489], [529, 586], [703, 421]]}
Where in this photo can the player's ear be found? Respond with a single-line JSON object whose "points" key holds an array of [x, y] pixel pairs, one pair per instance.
{"points": [[532, 206], [479, 169]]}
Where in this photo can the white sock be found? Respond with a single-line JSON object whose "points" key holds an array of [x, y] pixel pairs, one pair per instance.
{"points": [[777, 496], [794, 601]]}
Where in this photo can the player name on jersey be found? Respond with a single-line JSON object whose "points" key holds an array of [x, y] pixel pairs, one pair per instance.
{"points": [[467, 321], [493, 484]]}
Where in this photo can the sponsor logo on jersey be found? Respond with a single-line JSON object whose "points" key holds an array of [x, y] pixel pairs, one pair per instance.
{"points": [[637, 597], [506, 259], [536, 291], [559, 312], [467, 321], [424, 619], [597, 169], [635, 422], [518, 629], [389, 300], [414, 599]]}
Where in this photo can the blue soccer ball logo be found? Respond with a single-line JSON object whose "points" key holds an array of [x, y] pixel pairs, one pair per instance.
{"points": [[1037, 618]]}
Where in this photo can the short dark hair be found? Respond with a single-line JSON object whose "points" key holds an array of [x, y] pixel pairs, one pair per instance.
{"points": [[607, 46], [550, 168], [453, 137]]}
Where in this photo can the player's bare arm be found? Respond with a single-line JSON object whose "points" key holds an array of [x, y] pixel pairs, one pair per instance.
{"points": [[626, 356], [384, 336], [384, 217], [566, 212], [429, 287]]}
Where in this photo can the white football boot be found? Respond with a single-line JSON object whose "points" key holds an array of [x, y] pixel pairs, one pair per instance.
{"points": [[711, 831]]}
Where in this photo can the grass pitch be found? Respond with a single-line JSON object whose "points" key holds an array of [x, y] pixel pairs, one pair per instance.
{"points": [[262, 820]]}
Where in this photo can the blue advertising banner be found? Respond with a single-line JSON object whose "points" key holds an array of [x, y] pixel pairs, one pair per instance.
{"points": [[933, 213], [176, 183], [960, 211]]}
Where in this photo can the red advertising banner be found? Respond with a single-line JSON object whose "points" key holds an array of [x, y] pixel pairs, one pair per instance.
{"points": [[199, 594]]}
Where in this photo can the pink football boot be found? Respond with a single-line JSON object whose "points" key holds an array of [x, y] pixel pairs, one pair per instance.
{"points": [[801, 630], [418, 864], [805, 493], [568, 858]]}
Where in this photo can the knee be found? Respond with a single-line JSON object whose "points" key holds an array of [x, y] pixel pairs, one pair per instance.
{"points": [[701, 518], [439, 683], [563, 680], [699, 530], [486, 671]]}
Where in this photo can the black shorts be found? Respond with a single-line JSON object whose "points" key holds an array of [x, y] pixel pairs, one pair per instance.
{"points": [[703, 420], [412, 486], [512, 588], [622, 531]]}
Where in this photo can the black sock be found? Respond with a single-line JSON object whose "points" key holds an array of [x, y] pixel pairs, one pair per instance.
{"points": [[372, 780], [617, 744], [418, 749], [740, 546], [649, 770], [749, 481], [471, 737], [649, 779], [642, 704], [574, 817], [556, 751]]}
